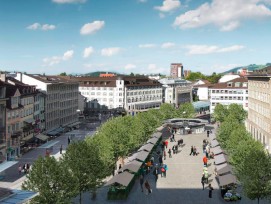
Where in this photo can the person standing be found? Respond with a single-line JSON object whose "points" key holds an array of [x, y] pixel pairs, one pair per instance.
{"points": [[192, 150], [20, 169], [165, 155], [155, 173], [148, 187], [166, 143], [202, 182], [165, 172], [141, 181], [60, 150], [205, 160], [160, 160], [169, 153], [210, 190]]}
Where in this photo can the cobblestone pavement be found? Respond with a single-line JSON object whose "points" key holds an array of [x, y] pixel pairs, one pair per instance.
{"points": [[183, 181]]}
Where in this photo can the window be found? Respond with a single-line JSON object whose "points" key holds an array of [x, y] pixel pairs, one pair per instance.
{"points": [[120, 100]]}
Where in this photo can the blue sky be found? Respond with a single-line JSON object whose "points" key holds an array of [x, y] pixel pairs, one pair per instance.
{"points": [[140, 36]]}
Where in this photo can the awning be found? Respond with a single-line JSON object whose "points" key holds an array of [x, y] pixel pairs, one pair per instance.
{"points": [[19, 196], [130, 158], [133, 166], [227, 179], [157, 135], [5, 165], [29, 120], [147, 147], [124, 179], [27, 137], [212, 137], [160, 128], [142, 155], [223, 168], [42, 137], [220, 159], [153, 140], [216, 150], [214, 143]]}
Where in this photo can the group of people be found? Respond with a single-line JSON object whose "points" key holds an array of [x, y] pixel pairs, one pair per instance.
{"points": [[193, 151], [24, 169]]}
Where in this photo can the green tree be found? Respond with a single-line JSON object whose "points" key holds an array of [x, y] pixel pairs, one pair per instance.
{"points": [[83, 160], [195, 75], [186, 110], [256, 175], [214, 78], [220, 112], [168, 111], [132, 74], [237, 111], [51, 180], [63, 74]]}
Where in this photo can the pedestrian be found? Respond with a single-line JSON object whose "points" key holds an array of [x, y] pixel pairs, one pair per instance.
{"points": [[166, 143], [173, 137], [205, 160], [210, 190], [160, 160], [176, 149], [169, 153], [202, 182], [181, 141], [206, 176], [60, 150], [173, 149], [152, 160], [113, 171], [163, 171], [155, 173], [192, 150], [20, 169], [148, 187], [69, 140], [141, 181], [119, 166], [165, 155], [208, 132], [175, 130]]}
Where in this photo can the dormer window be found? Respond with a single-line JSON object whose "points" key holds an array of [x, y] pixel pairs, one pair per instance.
{"points": [[237, 84], [245, 84], [229, 84]]}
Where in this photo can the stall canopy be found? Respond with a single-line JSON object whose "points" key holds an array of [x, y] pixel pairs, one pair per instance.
{"points": [[212, 137], [216, 150], [124, 179], [227, 179], [157, 135], [223, 168], [153, 140], [214, 143], [160, 128], [130, 158], [133, 166], [220, 159], [147, 147], [42, 137], [142, 155], [19, 196]]}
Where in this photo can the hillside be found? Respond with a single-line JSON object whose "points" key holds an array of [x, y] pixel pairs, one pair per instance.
{"points": [[250, 67], [96, 74]]}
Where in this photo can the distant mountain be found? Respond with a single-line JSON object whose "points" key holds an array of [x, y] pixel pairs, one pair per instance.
{"points": [[97, 74], [250, 67]]}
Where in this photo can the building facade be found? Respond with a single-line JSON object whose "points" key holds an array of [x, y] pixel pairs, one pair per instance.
{"points": [[259, 109], [61, 102], [234, 91], [3, 143], [176, 70], [176, 91]]}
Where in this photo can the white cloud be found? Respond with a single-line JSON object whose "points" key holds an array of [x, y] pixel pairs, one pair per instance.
{"points": [[168, 5], [142, 1], [130, 66], [69, 1], [88, 51], [90, 28], [38, 26], [147, 45], [153, 68], [110, 51], [227, 15], [161, 15], [167, 45], [50, 61], [206, 49]]}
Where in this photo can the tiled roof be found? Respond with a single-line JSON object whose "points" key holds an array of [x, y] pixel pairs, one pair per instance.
{"points": [[50, 79], [232, 82]]}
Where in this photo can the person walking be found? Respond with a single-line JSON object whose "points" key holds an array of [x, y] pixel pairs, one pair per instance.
{"points": [[173, 149], [160, 160], [173, 137], [155, 173], [202, 182], [60, 150], [165, 172], [166, 143], [141, 181], [192, 150], [210, 190], [169, 153], [20, 169], [165, 155], [205, 160], [148, 187], [162, 171]]}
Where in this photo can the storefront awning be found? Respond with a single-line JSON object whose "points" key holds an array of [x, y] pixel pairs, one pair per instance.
{"points": [[29, 120], [29, 137], [5, 165], [124, 179], [227, 179], [42, 137]]}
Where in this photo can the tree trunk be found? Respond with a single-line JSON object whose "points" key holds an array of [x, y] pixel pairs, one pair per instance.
{"points": [[94, 194], [258, 200], [80, 198]]}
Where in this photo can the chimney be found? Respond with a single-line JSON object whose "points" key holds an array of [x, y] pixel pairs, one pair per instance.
{"points": [[3, 77]]}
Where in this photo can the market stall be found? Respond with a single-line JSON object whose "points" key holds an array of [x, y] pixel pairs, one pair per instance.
{"points": [[214, 143], [131, 167], [216, 150], [146, 147], [220, 159]]}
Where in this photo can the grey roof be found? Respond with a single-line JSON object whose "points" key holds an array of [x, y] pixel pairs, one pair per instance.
{"points": [[153, 140], [227, 179], [133, 166], [214, 143], [220, 159], [216, 150], [201, 104], [223, 168], [123, 178], [147, 147], [212, 136], [158, 134], [142, 155]]}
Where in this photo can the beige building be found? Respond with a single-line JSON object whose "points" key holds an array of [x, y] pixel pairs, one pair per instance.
{"points": [[259, 106], [3, 144]]}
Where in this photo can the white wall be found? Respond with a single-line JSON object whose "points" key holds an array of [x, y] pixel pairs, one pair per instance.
{"points": [[202, 93], [31, 81], [228, 77]]}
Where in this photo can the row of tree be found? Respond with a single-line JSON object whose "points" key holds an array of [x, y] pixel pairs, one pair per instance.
{"points": [[251, 162], [213, 78], [86, 163]]}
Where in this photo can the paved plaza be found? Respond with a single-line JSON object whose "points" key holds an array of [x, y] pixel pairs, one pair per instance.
{"points": [[183, 181]]}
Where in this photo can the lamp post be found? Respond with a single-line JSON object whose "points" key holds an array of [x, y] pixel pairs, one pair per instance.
{"points": [[183, 123]]}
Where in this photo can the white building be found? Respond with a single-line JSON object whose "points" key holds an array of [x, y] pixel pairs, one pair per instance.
{"points": [[201, 89], [228, 77], [61, 101], [176, 91], [234, 91]]}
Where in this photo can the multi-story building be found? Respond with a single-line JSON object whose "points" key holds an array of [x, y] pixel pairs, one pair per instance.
{"points": [[39, 112], [176, 70], [186, 73], [61, 103], [176, 91], [259, 109], [130, 93], [3, 143], [234, 91]]}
